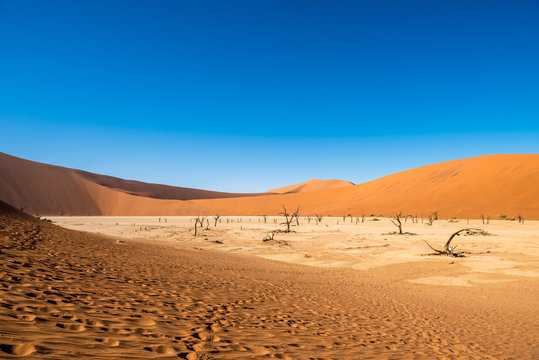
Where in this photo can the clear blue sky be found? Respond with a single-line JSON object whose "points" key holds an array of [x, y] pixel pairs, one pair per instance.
{"points": [[248, 95]]}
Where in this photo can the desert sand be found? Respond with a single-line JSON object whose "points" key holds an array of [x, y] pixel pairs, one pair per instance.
{"points": [[311, 185], [147, 288], [489, 185]]}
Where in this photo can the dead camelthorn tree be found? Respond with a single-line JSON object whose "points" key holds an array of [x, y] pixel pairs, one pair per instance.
{"points": [[265, 218], [362, 218], [435, 215], [269, 237], [289, 218], [520, 219], [397, 222], [199, 221], [450, 251], [317, 218], [216, 218]]}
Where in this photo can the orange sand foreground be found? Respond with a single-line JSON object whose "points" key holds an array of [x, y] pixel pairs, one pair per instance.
{"points": [[152, 290]]}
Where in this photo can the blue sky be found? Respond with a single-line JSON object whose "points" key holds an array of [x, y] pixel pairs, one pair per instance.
{"points": [[245, 96]]}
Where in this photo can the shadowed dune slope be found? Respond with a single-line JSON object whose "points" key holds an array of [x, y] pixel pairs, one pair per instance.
{"points": [[490, 185], [10, 211], [47, 189], [311, 185]]}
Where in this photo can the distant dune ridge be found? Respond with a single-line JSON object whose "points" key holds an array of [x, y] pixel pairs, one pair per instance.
{"points": [[466, 188], [311, 185]]}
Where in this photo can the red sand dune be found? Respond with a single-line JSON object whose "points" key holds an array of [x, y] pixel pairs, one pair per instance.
{"points": [[47, 189], [311, 185], [490, 185]]}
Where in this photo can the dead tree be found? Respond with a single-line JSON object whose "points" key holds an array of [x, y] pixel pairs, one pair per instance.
{"points": [[483, 219], [216, 218], [398, 222], [435, 215], [317, 219], [450, 251], [199, 221], [362, 218], [520, 219], [289, 218], [269, 237], [265, 218]]}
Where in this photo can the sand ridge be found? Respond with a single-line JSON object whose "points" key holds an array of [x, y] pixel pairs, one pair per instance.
{"points": [[311, 185], [491, 185]]}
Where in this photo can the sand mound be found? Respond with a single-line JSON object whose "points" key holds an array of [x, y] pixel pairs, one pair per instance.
{"points": [[55, 190], [8, 210], [489, 185], [311, 185]]}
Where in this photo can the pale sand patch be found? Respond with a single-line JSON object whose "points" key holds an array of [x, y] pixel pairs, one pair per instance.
{"points": [[510, 253], [443, 280]]}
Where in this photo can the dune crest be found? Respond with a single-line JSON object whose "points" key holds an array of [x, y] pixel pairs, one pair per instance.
{"points": [[466, 188], [311, 185]]}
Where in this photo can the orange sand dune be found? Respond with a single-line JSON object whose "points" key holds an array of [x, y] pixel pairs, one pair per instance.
{"points": [[311, 185], [490, 185], [48, 189]]}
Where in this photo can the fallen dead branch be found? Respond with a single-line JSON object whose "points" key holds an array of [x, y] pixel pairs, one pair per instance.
{"points": [[270, 240], [450, 251]]}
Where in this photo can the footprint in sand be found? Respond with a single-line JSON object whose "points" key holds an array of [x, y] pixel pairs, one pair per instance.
{"points": [[162, 349], [18, 350], [75, 327], [144, 322], [26, 317], [110, 342], [94, 323], [191, 355]]}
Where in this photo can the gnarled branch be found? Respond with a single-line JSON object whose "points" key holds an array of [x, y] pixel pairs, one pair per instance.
{"points": [[450, 251]]}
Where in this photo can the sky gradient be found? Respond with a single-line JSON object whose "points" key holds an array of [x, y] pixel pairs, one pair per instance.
{"points": [[245, 96]]}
